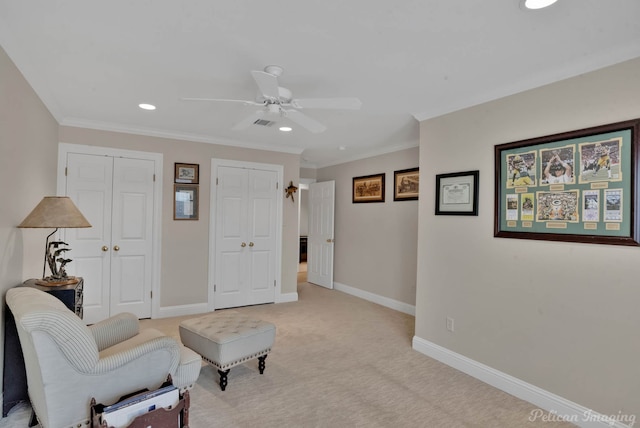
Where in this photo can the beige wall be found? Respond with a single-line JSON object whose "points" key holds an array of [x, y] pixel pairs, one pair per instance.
{"points": [[561, 316], [28, 149], [185, 244], [375, 248], [308, 173]]}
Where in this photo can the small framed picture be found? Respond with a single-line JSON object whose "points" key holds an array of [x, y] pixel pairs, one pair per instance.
{"points": [[186, 173], [185, 202], [369, 188], [406, 184], [457, 193]]}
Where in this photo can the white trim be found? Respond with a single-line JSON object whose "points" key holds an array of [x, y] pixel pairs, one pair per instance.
{"points": [[375, 298], [175, 135], [279, 170], [370, 153], [182, 310], [556, 406], [287, 297], [65, 148]]}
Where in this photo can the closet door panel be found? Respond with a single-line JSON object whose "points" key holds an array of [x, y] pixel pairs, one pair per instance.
{"points": [[89, 185]]}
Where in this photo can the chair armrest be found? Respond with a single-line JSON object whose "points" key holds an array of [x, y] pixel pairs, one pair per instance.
{"points": [[115, 329], [122, 358]]}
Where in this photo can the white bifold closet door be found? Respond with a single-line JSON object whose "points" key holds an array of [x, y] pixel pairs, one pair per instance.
{"points": [[114, 256]]}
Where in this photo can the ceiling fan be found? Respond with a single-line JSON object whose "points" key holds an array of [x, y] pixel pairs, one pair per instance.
{"points": [[276, 102]]}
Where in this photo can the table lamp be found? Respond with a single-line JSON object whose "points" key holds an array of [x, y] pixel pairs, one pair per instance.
{"points": [[56, 212]]}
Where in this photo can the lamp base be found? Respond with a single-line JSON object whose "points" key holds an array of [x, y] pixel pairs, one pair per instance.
{"points": [[52, 282]]}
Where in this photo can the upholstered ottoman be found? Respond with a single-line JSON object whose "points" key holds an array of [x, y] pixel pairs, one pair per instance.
{"points": [[227, 338]]}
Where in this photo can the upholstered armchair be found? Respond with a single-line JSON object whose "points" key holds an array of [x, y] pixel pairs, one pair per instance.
{"points": [[68, 363]]}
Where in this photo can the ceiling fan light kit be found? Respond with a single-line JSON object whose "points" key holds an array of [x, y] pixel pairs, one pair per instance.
{"points": [[273, 98], [537, 4]]}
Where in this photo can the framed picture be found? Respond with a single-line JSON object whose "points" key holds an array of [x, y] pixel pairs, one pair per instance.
{"points": [[406, 184], [577, 186], [186, 173], [185, 202], [457, 193], [369, 188]]}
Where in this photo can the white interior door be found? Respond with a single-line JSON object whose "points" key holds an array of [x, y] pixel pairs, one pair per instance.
{"points": [[132, 236], [245, 236], [231, 242], [262, 195], [115, 255], [89, 184], [320, 239]]}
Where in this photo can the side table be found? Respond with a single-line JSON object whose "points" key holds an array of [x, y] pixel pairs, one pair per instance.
{"points": [[14, 385]]}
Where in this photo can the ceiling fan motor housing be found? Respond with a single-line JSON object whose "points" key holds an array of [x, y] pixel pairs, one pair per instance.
{"points": [[284, 97], [275, 70], [274, 109]]}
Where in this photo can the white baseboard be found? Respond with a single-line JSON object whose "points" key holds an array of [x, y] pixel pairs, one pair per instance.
{"points": [[181, 310], [287, 297], [380, 300], [551, 407], [200, 308]]}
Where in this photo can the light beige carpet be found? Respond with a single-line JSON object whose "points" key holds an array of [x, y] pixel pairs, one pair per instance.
{"points": [[339, 361]]}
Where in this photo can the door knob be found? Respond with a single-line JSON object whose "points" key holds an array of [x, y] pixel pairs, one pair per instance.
{"points": [[251, 244], [116, 248], [244, 244], [329, 240], [105, 248]]}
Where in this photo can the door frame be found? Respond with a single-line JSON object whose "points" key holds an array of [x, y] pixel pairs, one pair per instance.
{"points": [[215, 164], [65, 148]]}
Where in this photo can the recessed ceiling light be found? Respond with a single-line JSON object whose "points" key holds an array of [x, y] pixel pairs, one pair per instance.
{"points": [[147, 106], [538, 4], [342, 148], [285, 128]]}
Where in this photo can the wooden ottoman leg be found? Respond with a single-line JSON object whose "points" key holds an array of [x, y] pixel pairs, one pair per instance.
{"points": [[261, 363], [223, 378]]}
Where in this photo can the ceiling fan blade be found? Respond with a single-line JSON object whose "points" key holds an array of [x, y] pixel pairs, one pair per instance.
{"points": [[329, 103], [249, 120], [267, 84], [253, 103], [305, 121]]}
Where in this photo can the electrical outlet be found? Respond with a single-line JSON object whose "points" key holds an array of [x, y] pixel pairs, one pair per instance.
{"points": [[450, 326]]}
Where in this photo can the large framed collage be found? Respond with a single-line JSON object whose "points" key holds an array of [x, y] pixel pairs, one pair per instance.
{"points": [[577, 186]]}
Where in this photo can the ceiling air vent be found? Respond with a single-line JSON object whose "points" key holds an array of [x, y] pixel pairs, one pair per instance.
{"points": [[263, 122]]}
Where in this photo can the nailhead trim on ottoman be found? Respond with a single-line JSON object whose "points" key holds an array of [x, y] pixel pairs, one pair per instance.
{"points": [[227, 338]]}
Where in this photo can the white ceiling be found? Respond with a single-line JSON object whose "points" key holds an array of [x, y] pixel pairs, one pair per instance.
{"points": [[92, 62]]}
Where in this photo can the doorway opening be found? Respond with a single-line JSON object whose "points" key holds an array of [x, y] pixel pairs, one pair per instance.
{"points": [[303, 227]]}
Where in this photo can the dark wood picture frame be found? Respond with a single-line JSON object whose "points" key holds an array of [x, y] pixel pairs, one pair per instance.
{"points": [[406, 184], [576, 186], [457, 193], [186, 173], [185, 201], [368, 188]]}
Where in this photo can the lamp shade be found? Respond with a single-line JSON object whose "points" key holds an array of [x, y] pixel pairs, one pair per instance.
{"points": [[55, 212]]}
